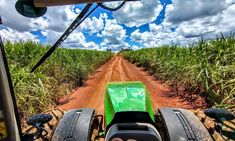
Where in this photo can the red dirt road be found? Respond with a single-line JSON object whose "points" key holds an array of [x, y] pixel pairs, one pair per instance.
{"points": [[118, 69]]}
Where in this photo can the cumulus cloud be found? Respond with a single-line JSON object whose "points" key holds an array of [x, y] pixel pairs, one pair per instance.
{"points": [[93, 24], [135, 47], [185, 22], [135, 14], [75, 40], [200, 17], [113, 32], [197, 28], [11, 18], [78, 40], [54, 21], [158, 36], [228, 18], [190, 20], [52, 25], [14, 35], [113, 35], [57, 18], [184, 10]]}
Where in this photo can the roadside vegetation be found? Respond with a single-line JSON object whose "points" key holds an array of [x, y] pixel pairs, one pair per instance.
{"points": [[65, 70], [206, 69]]}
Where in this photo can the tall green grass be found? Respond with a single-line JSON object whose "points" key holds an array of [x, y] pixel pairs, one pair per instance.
{"points": [[65, 70], [206, 68]]}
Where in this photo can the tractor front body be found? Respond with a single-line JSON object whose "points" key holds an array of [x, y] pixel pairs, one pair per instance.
{"points": [[127, 99], [129, 116]]}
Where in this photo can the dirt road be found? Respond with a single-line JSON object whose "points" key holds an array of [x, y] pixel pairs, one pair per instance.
{"points": [[118, 69]]}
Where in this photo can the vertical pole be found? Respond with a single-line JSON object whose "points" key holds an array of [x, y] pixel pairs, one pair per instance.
{"points": [[9, 120]]}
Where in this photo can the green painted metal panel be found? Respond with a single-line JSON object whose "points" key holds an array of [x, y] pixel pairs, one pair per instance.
{"points": [[126, 96]]}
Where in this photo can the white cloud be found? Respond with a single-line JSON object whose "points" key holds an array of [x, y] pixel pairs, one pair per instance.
{"points": [[138, 13], [186, 21], [94, 25], [141, 37], [113, 32], [11, 18], [113, 35], [200, 17], [228, 18], [158, 36], [78, 40], [190, 21], [14, 35], [51, 36], [75, 40], [52, 25], [184, 10], [135, 47], [39, 23], [197, 28], [58, 18]]}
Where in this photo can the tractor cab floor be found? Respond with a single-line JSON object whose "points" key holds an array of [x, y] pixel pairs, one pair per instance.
{"points": [[91, 95]]}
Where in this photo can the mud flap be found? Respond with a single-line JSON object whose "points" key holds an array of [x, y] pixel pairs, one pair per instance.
{"points": [[75, 125], [183, 125]]}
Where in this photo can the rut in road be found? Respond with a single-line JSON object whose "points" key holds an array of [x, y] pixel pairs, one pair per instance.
{"points": [[91, 95]]}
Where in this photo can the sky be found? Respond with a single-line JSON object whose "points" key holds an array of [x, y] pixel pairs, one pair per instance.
{"points": [[141, 24]]}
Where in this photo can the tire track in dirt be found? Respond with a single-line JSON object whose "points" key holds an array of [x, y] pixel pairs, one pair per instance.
{"points": [[91, 95]]}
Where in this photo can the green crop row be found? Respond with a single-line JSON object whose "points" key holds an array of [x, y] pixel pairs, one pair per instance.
{"points": [[206, 68], [65, 70]]}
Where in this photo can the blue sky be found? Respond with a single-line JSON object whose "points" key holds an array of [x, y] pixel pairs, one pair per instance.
{"points": [[91, 37], [142, 24], [159, 19]]}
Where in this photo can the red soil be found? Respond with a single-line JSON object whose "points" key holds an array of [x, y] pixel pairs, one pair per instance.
{"points": [[91, 95]]}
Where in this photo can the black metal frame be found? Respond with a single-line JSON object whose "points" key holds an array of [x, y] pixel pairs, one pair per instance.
{"points": [[8, 106]]}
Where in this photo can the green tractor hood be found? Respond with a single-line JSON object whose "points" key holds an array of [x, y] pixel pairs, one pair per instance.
{"points": [[126, 97]]}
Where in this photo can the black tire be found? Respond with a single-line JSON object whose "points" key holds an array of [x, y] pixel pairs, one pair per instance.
{"points": [[76, 125], [181, 124]]}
